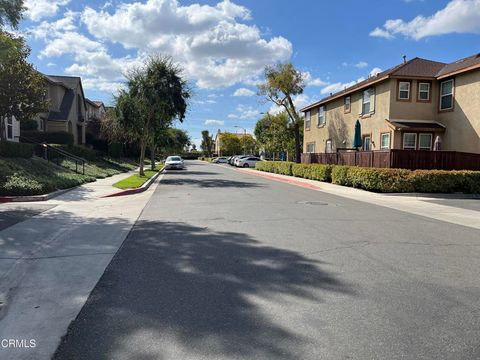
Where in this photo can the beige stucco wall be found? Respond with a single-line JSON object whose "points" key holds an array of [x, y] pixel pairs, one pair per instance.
{"points": [[463, 123], [339, 127], [413, 109]]}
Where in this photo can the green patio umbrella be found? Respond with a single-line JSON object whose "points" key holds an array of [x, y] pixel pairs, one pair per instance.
{"points": [[357, 137]]}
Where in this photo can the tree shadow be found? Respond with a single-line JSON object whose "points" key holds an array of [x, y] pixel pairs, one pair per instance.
{"points": [[187, 290]]}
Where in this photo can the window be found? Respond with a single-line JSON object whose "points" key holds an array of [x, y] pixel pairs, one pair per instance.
{"points": [[368, 101], [310, 147], [404, 90], [307, 120], [321, 116], [425, 142], [9, 128], [446, 95], [385, 141], [367, 143], [410, 141], [347, 104], [423, 91], [328, 146]]}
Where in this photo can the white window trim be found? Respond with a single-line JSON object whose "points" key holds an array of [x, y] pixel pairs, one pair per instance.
{"points": [[381, 142], [312, 144], [370, 142], [410, 148], [308, 120], [422, 91], [9, 124], [400, 90], [329, 141], [450, 94], [419, 142], [320, 124], [349, 104], [371, 92]]}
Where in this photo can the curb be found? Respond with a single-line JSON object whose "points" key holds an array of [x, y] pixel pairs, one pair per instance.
{"points": [[32, 198], [141, 189]]}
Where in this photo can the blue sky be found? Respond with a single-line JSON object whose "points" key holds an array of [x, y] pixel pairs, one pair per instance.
{"points": [[224, 45]]}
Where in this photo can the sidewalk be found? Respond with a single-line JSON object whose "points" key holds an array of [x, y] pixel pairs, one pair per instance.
{"points": [[418, 204], [50, 263]]}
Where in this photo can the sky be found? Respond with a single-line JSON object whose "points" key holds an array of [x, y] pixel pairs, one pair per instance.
{"points": [[223, 46]]}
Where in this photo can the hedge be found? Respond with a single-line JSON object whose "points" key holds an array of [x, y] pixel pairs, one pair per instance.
{"points": [[381, 180], [17, 150], [59, 137]]}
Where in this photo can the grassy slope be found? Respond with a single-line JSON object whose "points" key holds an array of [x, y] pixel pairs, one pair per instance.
{"points": [[34, 176]]}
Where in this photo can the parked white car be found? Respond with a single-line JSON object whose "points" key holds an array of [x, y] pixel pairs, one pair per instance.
{"points": [[239, 157], [249, 161], [220, 160], [174, 162]]}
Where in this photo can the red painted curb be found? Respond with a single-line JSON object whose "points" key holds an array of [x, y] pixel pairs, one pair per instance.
{"points": [[288, 181], [5, 199]]}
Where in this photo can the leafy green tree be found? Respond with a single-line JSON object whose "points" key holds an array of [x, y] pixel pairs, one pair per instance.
{"points": [[207, 143], [173, 141], [22, 88], [275, 133], [11, 12], [230, 144], [282, 83]]}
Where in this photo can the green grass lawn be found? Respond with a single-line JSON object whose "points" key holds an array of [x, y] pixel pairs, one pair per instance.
{"points": [[134, 181]]}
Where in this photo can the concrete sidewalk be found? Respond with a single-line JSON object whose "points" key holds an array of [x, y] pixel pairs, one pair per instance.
{"points": [[420, 204], [50, 263]]}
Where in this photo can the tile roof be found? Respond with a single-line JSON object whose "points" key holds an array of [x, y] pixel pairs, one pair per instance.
{"points": [[416, 67]]}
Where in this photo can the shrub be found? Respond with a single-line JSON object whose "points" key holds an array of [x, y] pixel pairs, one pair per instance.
{"points": [[59, 137], [434, 181], [318, 172], [115, 150], [28, 125], [14, 149]]}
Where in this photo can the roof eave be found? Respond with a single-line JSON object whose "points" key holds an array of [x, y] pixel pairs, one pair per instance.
{"points": [[343, 93], [453, 73]]}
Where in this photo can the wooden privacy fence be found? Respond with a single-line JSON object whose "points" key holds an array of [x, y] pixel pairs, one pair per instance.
{"points": [[404, 159]]}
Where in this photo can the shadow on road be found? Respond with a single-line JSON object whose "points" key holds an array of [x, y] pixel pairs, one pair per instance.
{"points": [[179, 289]]}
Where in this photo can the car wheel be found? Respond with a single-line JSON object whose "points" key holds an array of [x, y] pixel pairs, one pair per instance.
{"points": [[246, 165]]}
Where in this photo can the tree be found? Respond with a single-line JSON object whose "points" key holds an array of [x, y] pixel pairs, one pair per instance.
{"points": [[275, 133], [282, 82], [230, 144], [11, 12], [166, 96], [156, 95], [173, 141], [207, 143], [22, 88]]}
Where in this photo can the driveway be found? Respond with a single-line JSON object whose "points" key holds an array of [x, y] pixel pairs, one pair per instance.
{"points": [[225, 265]]}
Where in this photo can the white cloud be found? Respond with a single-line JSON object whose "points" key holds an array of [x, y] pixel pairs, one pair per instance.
{"points": [[459, 16], [211, 42], [38, 9], [245, 112], [361, 64], [243, 92], [311, 81], [375, 71], [214, 122], [336, 87]]}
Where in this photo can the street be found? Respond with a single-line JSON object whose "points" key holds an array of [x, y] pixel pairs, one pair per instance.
{"points": [[222, 264]]}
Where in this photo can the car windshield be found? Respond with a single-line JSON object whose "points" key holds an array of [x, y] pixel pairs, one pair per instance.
{"points": [[174, 158]]}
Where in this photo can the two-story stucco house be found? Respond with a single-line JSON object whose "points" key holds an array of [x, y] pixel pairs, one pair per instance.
{"points": [[406, 107], [66, 107]]}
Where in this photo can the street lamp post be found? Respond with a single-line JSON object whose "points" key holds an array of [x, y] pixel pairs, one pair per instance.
{"points": [[244, 138]]}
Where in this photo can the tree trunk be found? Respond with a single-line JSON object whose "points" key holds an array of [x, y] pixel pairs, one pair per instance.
{"points": [[152, 155], [141, 172], [298, 151], [3, 129]]}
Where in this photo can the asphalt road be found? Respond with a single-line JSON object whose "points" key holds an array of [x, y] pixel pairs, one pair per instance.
{"points": [[227, 265]]}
